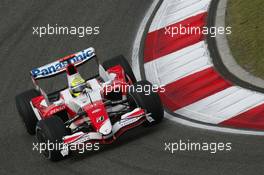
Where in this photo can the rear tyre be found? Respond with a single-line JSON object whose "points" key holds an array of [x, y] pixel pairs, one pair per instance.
{"points": [[120, 60], [50, 132], [25, 110], [150, 101]]}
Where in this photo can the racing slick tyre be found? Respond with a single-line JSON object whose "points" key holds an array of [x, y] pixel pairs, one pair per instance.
{"points": [[49, 132], [150, 101], [120, 60], [25, 110]]}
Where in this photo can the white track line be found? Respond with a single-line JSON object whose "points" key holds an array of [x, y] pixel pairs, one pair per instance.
{"points": [[212, 128], [137, 42]]}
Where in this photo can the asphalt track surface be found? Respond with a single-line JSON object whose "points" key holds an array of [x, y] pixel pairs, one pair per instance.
{"points": [[140, 151]]}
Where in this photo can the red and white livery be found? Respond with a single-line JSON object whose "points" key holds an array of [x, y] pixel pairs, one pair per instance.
{"points": [[96, 110]]}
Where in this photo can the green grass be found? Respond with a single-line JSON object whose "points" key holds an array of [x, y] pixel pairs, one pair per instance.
{"points": [[246, 17]]}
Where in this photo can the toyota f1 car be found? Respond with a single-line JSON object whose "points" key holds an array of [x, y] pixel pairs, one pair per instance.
{"points": [[87, 111]]}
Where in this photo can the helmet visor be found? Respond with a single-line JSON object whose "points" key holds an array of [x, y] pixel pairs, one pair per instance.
{"points": [[79, 88]]}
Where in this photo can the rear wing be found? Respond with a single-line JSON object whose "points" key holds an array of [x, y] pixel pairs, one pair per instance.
{"points": [[60, 65]]}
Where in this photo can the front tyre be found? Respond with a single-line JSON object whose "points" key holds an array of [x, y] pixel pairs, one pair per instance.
{"points": [[150, 101], [25, 110], [49, 133]]}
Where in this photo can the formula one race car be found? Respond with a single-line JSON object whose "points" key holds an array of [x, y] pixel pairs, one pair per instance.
{"points": [[87, 111]]}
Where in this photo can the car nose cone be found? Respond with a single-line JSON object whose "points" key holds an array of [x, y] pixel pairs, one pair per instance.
{"points": [[106, 128]]}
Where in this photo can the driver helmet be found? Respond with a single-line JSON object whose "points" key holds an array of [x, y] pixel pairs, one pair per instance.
{"points": [[77, 85]]}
